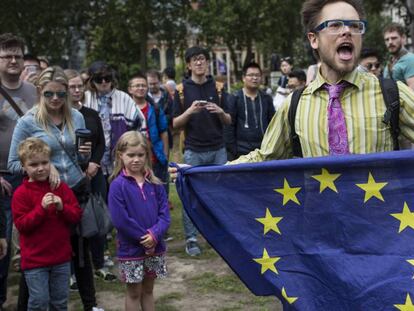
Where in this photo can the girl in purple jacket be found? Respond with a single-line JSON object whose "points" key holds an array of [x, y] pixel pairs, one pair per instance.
{"points": [[139, 209]]}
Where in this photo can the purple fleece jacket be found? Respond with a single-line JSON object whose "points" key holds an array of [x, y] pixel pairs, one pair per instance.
{"points": [[136, 211]]}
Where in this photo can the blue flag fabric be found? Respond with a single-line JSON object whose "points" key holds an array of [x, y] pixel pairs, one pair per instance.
{"points": [[330, 233]]}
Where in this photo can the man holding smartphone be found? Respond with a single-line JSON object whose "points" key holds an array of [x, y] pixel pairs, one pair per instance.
{"points": [[200, 108]]}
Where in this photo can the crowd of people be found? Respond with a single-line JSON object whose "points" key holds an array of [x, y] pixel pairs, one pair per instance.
{"points": [[47, 172]]}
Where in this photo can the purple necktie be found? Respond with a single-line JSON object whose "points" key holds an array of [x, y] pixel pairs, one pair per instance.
{"points": [[337, 133]]}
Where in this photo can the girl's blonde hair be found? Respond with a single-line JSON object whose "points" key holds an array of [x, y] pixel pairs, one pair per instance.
{"points": [[53, 74], [133, 139]]}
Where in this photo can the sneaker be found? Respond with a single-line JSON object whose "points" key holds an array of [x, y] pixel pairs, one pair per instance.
{"points": [[105, 275], [192, 248], [97, 309], [73, 285], [108, 262], [168, 238]]}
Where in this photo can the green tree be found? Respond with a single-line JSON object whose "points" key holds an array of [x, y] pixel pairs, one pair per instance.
{"points": [[47, 26], [270, 25]]}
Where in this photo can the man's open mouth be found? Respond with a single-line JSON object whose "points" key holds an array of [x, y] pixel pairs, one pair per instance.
{"points": [[345, 51]]}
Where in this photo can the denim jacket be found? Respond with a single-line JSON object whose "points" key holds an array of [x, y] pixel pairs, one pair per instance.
{"points": [[27, 126]]}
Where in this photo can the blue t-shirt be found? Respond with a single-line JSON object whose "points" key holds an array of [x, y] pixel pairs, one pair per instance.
{"points": [[403, 68]]}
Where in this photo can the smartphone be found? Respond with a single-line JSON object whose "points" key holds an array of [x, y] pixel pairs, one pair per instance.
{"points": [[202, 102], [31, 68]]}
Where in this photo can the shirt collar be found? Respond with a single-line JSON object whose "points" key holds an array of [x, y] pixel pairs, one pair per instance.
{"points": [[353, 77]]}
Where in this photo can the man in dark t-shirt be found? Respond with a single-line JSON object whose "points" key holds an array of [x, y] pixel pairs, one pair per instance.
{"points": [[200, 107]]}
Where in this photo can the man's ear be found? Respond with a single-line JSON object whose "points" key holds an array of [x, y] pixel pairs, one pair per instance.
{"points": [[404, 39], [313, 40]]}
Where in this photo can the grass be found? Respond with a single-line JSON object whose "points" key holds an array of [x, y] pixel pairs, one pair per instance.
{"points": [[209, 281]]}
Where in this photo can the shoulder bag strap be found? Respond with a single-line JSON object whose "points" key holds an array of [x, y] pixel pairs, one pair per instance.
{"points": [[11, 101]]}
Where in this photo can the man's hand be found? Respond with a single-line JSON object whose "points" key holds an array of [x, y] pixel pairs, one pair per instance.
{"points": [[6, 187], [3, 248], [173, 171]]}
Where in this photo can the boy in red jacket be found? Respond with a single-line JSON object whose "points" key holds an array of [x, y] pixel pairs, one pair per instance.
{"points": [[43, 217]]}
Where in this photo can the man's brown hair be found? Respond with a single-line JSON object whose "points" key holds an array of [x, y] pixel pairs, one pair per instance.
{"points": [[395, 27], [311, 10], [10, 41]]}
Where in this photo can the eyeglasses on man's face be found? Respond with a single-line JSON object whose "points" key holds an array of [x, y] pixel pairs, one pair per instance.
{"points": [[10, 57], [253, 75], [337, 26], [50, 94], [199, 58]]}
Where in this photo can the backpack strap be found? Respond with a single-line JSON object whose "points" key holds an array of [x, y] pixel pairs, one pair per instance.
{"points": [[294, 138], [180, 90], [389, 89]]}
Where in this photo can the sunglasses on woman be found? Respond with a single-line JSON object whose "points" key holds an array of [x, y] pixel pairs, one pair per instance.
{"points": [[101, 79], [49, 94]]}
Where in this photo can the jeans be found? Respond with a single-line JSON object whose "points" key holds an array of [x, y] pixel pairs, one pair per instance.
{"points": [[200, 158], [48, 287], [97, 243], [5, 203]]}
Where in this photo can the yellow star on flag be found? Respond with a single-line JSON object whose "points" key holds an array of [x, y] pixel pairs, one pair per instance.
{"points": [[327, 180], [290, 300], [406, 218], [408, 306], [289, 194], [411, 261], [268, 263], [270, 222], [372, 188]]}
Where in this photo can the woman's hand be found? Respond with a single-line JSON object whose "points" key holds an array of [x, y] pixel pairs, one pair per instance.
{"points": [[85, 149], [54, 177], [92, 169]]}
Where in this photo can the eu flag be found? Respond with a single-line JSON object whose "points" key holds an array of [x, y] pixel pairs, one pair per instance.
{"points": [[330, 233]]}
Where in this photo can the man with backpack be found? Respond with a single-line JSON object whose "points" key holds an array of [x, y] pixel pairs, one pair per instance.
{"points": [[251, 111], [343, 111], [200, 108]]}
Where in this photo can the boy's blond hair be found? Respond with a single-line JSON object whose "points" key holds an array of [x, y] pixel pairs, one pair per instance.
{"points": [[31, 146]]}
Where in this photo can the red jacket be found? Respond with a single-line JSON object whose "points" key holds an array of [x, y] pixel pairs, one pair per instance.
{"points": [[44, 234]]}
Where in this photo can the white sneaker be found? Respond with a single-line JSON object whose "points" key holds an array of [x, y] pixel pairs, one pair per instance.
{"points": [[97, 309]]}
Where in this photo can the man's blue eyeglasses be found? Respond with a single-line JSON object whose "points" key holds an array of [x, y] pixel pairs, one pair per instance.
{"points": [[336, 26]]}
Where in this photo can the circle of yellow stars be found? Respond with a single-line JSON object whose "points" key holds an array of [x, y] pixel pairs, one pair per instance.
{"points": [[372, 189]]}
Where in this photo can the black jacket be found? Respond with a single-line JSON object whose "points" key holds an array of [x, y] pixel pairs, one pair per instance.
{"points": [[204, 130], [249, 121]]}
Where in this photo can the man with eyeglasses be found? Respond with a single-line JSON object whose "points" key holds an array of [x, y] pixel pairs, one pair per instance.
{"points": [[200, 108], [369, 61], [25, 96], [251, 111], [400, 66], [342, 110]]}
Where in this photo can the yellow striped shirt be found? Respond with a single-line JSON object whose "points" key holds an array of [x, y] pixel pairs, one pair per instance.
{"points": [[363, 106]]}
